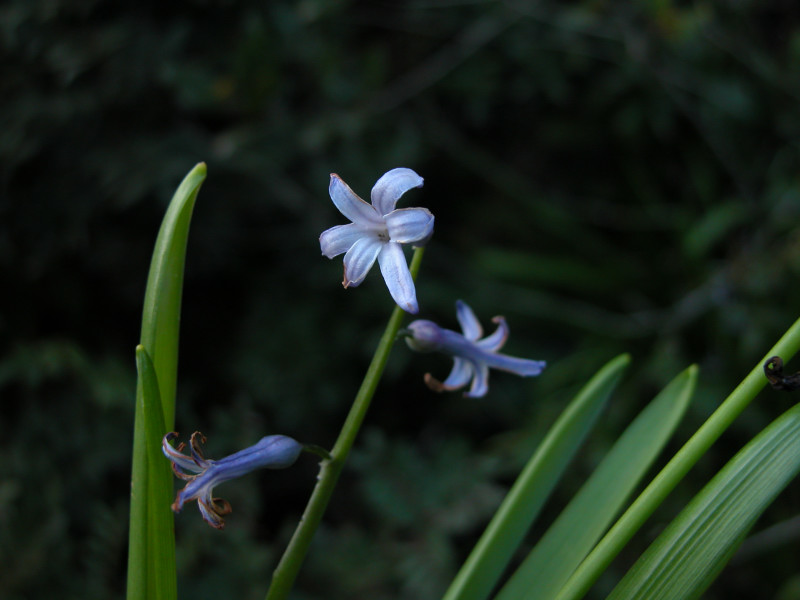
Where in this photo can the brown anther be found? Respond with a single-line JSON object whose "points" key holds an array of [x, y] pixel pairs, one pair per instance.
{"points": [[433, 383], [195, 442]]}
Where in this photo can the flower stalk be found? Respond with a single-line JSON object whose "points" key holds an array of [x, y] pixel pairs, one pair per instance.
{"points": [[286, 572]]}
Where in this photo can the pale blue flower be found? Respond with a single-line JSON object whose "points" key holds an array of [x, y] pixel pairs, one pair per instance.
{"points": [[472, 357], [378, 232], [271, 452]]}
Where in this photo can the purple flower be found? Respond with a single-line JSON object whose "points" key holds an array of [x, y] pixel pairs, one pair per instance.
{"points": [[378, 232], [472, 356], [272, 452]]}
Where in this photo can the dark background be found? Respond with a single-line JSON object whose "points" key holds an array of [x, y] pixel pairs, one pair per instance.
{"points": [[609, 176]]}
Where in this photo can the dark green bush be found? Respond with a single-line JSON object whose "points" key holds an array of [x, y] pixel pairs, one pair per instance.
{"points": [[611, 177]]}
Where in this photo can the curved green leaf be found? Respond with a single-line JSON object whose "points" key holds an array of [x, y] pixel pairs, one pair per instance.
{"points": [[665, 481], [583, 521], [151, 523], [683, 561], [508, 527], [161, 315]]}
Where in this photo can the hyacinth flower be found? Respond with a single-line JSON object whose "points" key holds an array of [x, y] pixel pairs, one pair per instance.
{"points": [[472, 356], [202, 474], [378, 231]]}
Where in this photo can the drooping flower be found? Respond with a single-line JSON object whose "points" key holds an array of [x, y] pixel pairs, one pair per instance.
{"points": [[378, 232], [472, 357], [271, 452]]}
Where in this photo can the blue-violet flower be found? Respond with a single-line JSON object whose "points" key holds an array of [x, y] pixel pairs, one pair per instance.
{"points": [[472, 356], [272, 452], [377, 232]]}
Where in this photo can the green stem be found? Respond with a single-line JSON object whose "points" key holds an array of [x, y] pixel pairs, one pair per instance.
{"points": [[641, 509], [286, 572]]}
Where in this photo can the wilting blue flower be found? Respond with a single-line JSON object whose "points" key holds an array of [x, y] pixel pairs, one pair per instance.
{"points": [[377, 232], [272, 452], [472, 357]]}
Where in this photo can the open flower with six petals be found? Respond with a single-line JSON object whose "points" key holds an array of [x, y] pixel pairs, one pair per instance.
{"points": [[472, 357], [202, 474], [378, 231]]}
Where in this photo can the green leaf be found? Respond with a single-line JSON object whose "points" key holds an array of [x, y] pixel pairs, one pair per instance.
{"points": [[683, 561], [160, 538], [567, 542], [672, 473], [162, 300], [151, 553], [508, 527]]}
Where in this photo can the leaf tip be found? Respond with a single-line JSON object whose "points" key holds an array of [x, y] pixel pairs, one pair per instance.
{"points": [[690, 374], [620, 362]]}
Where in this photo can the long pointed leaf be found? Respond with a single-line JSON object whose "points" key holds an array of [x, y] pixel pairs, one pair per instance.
{"points": [[160, 541], [679, 465], [567, 542], [162, 301], [491, 554], [683, 561], [160, 325]]}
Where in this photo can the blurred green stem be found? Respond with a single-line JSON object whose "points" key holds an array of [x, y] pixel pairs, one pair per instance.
{"points": [[286, 572], [624, 529]]}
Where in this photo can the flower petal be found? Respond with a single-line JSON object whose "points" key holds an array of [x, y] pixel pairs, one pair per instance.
{"points": [[469, 322], [494, 342], [460, 375], [178, 459], [393, 184], [272, 452], [199, 487], [339, 239], [350, 205], [213, 509], [398, 278], [407, 225], [359, 260], [519, 366], [480, 382]]}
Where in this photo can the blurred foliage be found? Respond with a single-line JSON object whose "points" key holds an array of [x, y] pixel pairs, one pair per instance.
{"points": [[609, 176]]}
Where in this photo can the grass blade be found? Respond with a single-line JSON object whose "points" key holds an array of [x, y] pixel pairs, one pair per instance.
{"points": [[160, 539], [567, 542], [683, 561], [162, 301], [491, 554], [665, 481], [151, 523]]}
